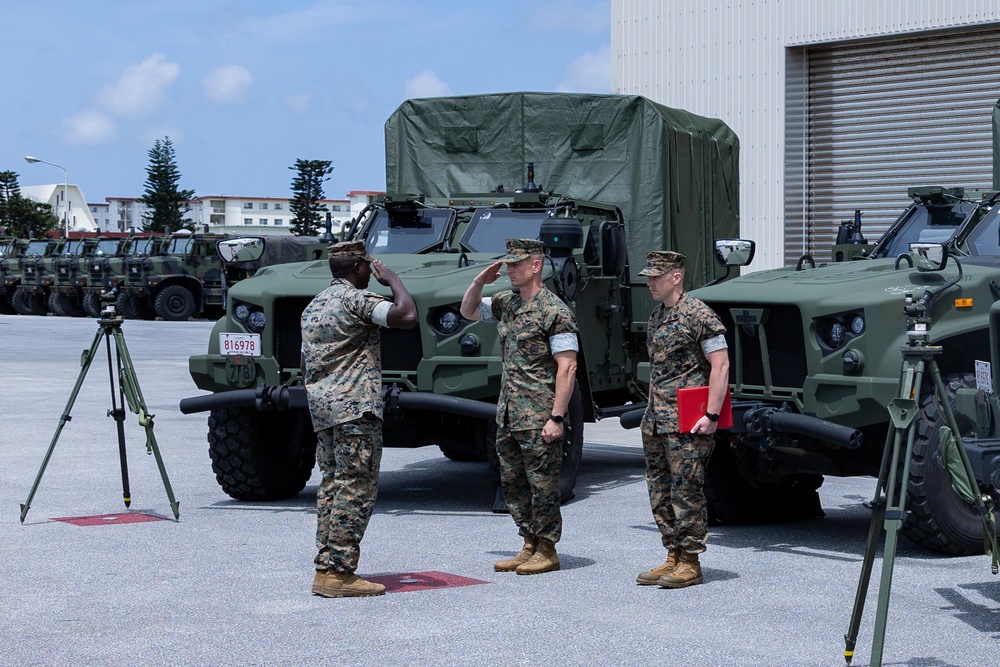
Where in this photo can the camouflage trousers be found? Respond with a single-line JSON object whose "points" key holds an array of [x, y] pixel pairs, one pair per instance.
{"points": [[529, 473], [349, 456], [675, 477]]}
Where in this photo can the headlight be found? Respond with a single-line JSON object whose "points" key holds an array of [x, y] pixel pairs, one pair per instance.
{"points": [[835, 334], [241, 312], [857, 325], [256, 321], [835, 331], [448, 322]]}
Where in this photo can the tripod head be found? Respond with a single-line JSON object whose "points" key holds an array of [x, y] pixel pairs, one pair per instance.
{"points": [[109, 311]]}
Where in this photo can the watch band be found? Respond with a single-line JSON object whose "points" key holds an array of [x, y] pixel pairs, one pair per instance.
{"points": [[556, 418], [712, 417]]}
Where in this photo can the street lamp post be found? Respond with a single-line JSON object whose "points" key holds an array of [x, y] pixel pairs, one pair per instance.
{"points": [[32, 160]]}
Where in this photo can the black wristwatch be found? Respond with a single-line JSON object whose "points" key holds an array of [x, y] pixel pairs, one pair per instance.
{"points": [[559, 418], [712, 417]]}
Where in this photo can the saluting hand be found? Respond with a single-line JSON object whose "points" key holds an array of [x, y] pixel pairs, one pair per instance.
{"points": [[383, 273], [489, 275]]}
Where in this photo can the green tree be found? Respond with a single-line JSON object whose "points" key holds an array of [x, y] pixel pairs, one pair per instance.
{"points": [[307, 191], [21, 216], [168, 203]]}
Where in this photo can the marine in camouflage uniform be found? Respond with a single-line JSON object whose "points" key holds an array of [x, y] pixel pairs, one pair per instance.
{"points": [[342, 372], [538, 337], [687, 348]]}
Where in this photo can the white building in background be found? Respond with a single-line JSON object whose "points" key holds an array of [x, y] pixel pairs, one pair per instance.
{"points": [[838, 105], [80, 218], [229, 214]]}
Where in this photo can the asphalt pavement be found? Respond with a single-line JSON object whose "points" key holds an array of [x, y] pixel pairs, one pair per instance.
{"points": [[86, 582]]}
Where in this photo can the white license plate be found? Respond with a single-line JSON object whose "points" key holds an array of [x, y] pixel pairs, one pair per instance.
{"points": [[239, 343]]}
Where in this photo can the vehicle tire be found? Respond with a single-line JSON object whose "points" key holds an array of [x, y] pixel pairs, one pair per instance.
{"points": [[92, 303], [55, 304], [939, 519], [125, 305], [572, 448], [736, 496], [40, 304], [5, 306], [259, 456], [175, 303], [22, 302]]}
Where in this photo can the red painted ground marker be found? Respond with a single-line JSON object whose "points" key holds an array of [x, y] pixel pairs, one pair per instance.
{"points": [[109, 519], [406, 582]]}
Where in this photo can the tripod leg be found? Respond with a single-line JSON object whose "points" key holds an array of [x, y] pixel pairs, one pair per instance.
{"points": [[118, 412], [88, 357], [890, 449], [130, 386]]}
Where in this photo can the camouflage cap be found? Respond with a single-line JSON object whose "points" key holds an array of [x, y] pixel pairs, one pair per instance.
{"points": [[349, 249], [659, 262], [518, 249]]}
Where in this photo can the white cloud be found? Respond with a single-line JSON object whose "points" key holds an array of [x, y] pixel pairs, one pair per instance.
{"points": [[589, 73], [227, 84], [89, 127], [141, 87], [299, 103], [426, 84]]}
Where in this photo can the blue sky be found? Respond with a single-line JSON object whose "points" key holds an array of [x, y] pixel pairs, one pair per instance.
{"points": [[244, 88]]}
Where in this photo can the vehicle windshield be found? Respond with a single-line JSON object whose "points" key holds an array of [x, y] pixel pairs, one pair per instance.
{"points": [[73, 247], [985, 238], [145, 246], [106, 247], [36, 248], [407, 231], [490, 228], [934, 223], [177, 245]]}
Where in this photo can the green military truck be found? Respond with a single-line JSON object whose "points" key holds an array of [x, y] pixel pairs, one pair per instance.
{"points": [[815, 359], [31, 295], [105, 268], [631, 176], [67, 292], [183, 279], [10, 277]]}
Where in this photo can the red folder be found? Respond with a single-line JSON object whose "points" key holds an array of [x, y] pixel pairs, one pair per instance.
{"points": [[692, 404]]}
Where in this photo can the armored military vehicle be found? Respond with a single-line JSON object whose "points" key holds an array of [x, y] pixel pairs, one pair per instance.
{"points": [[815, 359], [441, 379], [105, 268]]}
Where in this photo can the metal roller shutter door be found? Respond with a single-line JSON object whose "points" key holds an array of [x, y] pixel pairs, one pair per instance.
{"points": [[889, 114]]}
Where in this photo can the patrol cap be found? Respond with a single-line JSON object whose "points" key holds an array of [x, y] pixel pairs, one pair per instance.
{"points": [[518, 249], [346, 249], [659, 262]]}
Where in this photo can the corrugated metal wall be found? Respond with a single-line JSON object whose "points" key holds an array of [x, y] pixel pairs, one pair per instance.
{"points": [[739, 60], [886, 114]]}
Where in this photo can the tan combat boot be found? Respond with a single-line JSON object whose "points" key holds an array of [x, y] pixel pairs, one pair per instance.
{"points": [[346, 585], [526, 552], [687, 573], [543, 560], [650, 577]]}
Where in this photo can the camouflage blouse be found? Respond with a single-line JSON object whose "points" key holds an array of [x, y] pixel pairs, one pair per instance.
{"points": [[340, 346], [674, 341], [528, 331]]}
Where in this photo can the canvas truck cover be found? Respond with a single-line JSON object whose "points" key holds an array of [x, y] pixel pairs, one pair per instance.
{"points": [[673, 174]]}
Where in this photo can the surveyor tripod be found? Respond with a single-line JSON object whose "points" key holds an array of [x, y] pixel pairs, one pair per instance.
{"points": [[128, 393], [889, 503]]}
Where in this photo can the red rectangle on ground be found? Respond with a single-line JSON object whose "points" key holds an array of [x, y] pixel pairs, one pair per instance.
{"points": [[109, 519], [421, 581]]}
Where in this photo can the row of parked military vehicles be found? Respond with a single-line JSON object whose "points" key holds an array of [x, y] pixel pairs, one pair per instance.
{"points": [[171, 276]]}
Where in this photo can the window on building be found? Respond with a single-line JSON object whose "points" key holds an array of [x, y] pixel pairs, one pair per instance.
{"points": [[263, 206], [278, 222], [263, 221], [278, 206], [248, 205], [335, 207], [247, 221]]}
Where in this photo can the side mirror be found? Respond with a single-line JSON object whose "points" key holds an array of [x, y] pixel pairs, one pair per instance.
{"points": [[734, 252], [245, 249], [928, 256]]}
